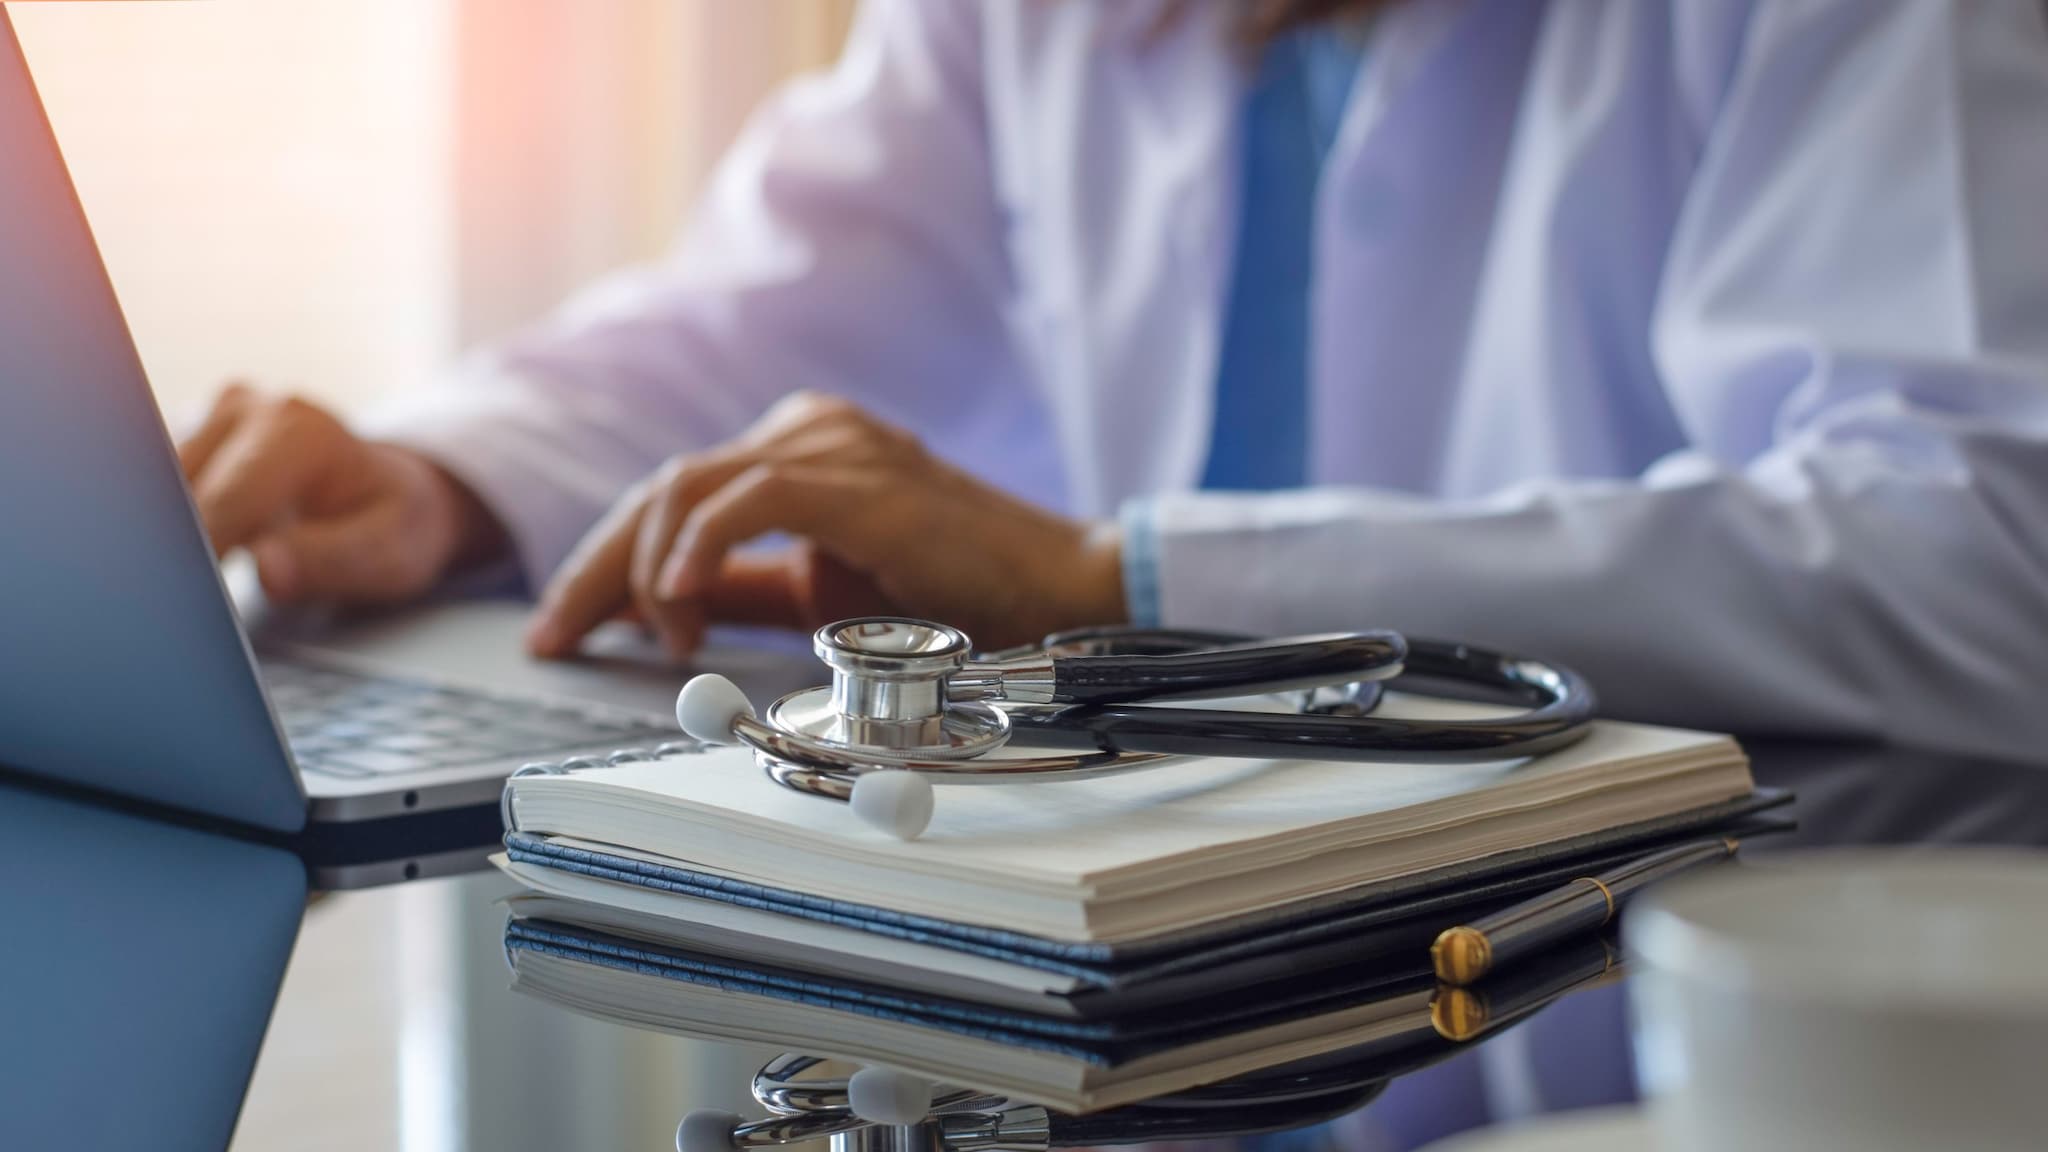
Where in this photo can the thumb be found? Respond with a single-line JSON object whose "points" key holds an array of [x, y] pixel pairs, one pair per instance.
{"points": [[358, 558]]}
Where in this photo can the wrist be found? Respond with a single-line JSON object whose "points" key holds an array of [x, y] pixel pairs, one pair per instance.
{"points": [[1096, 594], [459, 530]]}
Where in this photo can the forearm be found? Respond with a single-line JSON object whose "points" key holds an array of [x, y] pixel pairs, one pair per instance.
{"points": [[1910, 609]]}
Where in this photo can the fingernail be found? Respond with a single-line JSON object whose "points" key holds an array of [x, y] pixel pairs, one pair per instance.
{"points": [[277, 567]]}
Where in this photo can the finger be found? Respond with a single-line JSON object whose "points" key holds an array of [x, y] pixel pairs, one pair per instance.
{"points": [[815, 502], [684, 484], [196, 449], [358, 558], [259, 472], [801, 586], [590, 586], [832, 589], [760, 589]]}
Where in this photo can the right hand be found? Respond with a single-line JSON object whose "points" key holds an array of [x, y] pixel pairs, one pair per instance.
{"points": [[327, 516]]}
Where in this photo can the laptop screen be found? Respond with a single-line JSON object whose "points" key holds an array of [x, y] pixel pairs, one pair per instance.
{"points": [[124, 668]]}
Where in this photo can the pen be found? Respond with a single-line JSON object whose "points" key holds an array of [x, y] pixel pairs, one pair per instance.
{"points": [[1463, 1014], [1468, 952]]}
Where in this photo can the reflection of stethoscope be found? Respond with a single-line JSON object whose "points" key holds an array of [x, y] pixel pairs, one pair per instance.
{"points": [[908, 708], [880, 1110]]}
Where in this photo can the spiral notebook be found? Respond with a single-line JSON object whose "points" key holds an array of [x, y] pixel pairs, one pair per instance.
{"points": [[1114, 863]]}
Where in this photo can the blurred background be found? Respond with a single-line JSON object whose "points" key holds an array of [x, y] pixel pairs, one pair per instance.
{"points": [[334, 197]]}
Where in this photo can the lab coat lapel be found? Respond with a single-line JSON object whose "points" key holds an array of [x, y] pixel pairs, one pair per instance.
{"points": [[1404, 38], [1400, 232], [1157, 247]]}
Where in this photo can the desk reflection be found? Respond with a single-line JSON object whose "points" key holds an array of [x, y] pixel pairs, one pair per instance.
{"points": [[140, 961], [139, 966]]}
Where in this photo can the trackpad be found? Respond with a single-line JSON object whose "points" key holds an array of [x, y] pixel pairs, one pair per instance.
{"points": [[481, 643]]}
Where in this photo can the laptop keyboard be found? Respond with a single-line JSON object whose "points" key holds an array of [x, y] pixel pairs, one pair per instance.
{"points": [[347, 724]]}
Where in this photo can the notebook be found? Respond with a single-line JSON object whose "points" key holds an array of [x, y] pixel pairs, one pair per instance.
{"points": [[1388, 925], [1124, 860]]}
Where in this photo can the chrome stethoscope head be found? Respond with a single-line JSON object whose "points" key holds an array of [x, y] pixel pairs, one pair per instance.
{"points": [[892, 694], [906, 705], [909, 706]]}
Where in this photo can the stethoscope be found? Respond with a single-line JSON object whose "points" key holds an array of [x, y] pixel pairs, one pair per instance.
{"points": [[878, 1109], [883, 1109], [909, 707]]}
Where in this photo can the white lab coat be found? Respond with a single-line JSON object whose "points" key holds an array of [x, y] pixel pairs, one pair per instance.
{"points": [[1700, 344]]}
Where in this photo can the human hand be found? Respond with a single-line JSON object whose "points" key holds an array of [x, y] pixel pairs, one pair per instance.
{"points": [[327, 515], [881, 526]]}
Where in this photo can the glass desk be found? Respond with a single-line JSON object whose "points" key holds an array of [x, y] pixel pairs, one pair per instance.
{"points": [[141, 960]]}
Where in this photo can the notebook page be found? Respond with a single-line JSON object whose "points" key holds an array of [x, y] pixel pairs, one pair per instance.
{"points": [[1066, 834]]}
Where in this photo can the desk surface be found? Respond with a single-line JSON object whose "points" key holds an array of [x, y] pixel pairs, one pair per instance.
{"points": [[393, 1026]]}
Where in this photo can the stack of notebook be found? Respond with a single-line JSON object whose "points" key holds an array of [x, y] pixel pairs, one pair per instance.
{"points": [[1211, 908]]}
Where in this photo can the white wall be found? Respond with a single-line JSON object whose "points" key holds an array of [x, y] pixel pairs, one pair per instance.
{"points": [[270, 182], [334, 196]]}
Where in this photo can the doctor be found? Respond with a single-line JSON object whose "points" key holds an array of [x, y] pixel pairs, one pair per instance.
{"points": [[1700, 344]]}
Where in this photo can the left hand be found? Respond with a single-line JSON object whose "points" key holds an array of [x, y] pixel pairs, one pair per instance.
{"points": [[881, 527]]}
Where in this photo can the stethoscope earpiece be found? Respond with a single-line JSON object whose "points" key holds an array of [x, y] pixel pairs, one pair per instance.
{"points": [[894, 801], [707, 1130], [886, 1096], [908, 707], [709, 708]]}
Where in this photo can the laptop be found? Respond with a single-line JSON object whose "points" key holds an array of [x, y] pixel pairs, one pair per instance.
{"points": [[123, 664]]}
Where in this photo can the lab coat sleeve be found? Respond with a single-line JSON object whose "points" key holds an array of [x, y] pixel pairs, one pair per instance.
{"points": [[1853, 325], [849, 243]]}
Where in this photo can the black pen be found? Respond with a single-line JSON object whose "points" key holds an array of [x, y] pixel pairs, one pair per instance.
{"points": [[1461, 1014], [1466, 953]]}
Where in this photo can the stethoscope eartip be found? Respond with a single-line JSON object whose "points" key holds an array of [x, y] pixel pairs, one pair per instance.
{"points": [[895, 801], [886, 1096], [708, 706], [707, 1130]]}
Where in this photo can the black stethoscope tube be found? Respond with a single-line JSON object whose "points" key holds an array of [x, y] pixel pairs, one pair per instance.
{"points": [[1559, 703], [1234, 668]]}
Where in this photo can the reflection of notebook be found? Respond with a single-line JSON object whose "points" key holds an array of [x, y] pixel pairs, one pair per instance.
{"points": [[1121, 860], [1382, 1025], [1079, 1071]]}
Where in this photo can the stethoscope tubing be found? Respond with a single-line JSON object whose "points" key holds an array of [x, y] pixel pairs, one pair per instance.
{"points": [[1102, 739], [1563, 704], [1234, 667]]}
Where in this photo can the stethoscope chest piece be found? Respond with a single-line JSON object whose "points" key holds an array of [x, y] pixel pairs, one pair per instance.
{"points": [[888, 697]]}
